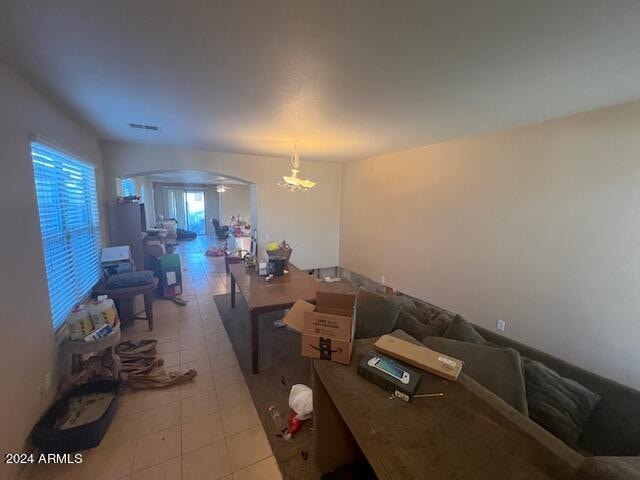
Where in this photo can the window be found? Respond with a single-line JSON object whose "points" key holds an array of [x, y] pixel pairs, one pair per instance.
{"points": [[70, 227], [128, 186]]}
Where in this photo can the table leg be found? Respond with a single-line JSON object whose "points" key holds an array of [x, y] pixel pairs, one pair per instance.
{"points": [[233, 292], [255, 342], [148, 308], [124, 306]]}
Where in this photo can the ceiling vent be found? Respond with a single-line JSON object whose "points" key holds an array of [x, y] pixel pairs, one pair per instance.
{"points": [[141, 126]]}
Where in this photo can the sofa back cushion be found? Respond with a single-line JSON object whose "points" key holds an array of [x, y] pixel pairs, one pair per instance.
{"points": [[499, 370], [614, 426], [561, 405], [375, 314], [461, 330], [413, 326]]}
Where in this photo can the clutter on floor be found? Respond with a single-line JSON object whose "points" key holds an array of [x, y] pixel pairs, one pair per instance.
{"points": [[141, 368], [179, 301], [301, 404], [79, 419], [100, 366], [94, 329], [282, 367], [183, 234], [84, 409], [214, 252]]}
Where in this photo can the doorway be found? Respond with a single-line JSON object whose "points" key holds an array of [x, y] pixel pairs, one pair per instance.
{"points": [[195, 211]]}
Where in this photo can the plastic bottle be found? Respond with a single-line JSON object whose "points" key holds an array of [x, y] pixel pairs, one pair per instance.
{"points": [[279, 421]]}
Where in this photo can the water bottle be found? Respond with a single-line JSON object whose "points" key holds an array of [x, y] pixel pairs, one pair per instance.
{"points": [[279, 421]]}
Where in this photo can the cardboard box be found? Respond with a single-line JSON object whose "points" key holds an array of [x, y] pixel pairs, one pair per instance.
{"points": [[326, 348], [327, 328], [420, 356], [333, 316]]}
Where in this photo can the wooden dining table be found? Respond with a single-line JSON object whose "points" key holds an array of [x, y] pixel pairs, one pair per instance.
{"points": [[261, 296]]}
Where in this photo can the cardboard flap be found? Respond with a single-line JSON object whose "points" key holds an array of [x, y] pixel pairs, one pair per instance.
{"points": [[340, 301], [295, 317], [335, 311]]}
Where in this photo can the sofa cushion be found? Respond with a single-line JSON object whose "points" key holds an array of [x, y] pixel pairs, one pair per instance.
{"points": [[404, 302], [560, 405], [424, 312], [499, 370], [402, 335], [460, 329], [375, 315], [413, 326]]}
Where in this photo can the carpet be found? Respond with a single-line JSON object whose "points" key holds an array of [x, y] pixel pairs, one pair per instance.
{"points": [[281, 366]]}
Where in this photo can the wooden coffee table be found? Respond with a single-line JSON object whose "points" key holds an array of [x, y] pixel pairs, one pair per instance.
{"points": [[262, 296]]}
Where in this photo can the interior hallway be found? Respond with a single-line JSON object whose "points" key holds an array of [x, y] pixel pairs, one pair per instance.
{"points": [[205, 429]]}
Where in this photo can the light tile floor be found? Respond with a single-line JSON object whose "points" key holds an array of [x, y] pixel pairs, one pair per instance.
{"points": [[206, 429]]}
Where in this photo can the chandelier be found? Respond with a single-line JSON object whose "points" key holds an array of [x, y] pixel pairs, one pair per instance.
{"points": [[294, 183]]}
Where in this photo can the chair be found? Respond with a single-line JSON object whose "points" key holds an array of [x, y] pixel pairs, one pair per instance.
{"points": [[222, 232]]}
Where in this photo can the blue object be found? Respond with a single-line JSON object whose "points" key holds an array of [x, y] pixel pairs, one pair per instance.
{"points": [[70, 227]]}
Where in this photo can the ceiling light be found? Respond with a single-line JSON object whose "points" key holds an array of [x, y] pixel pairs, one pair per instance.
{"points": [[294, 183], [221, 189]]}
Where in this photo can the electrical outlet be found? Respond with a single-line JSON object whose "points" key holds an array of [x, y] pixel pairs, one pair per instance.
{"points": [[47, 382], [501, 325]]}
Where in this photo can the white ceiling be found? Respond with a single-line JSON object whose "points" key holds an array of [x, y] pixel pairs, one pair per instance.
{"points": [[344, 78], [193, 177]]}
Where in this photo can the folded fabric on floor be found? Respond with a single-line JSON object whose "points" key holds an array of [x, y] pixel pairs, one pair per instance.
{"points": [[142, 369]]}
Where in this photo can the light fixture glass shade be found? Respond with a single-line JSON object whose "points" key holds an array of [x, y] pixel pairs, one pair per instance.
{"points": [[293, 183]]}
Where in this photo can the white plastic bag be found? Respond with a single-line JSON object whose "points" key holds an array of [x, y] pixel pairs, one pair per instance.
{"points": [[301, 401]]}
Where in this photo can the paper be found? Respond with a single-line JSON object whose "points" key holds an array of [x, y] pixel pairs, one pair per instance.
{"points": [[171, 278]]}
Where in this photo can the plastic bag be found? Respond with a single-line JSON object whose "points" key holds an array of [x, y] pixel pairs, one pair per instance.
{"points": [[301, 401]]}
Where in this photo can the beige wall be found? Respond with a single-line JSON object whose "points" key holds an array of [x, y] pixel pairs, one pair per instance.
{"points": [[234, 202], [539, 226], [28, 348], [310, 220]]}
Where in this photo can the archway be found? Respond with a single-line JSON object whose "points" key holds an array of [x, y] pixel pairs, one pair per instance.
{"points": [[193, 197]]}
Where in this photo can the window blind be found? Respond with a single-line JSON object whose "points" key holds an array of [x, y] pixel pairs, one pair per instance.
{"points": [[70, 227], [128, 187]]}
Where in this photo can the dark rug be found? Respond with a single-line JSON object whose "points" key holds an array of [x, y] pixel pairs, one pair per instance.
{"points": [[281, 366]]}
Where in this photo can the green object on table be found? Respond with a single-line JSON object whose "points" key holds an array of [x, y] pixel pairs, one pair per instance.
{"points": [[271, 246], [167, 269]]}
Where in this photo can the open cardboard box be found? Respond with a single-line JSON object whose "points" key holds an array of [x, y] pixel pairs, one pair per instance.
{"points": [[327, 327]]}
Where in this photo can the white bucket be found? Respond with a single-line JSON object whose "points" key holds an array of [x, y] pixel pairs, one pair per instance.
{"points": [[103, 312], [79, 323]]}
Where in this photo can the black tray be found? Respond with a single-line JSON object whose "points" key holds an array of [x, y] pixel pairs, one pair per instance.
{"points": [[51, 440]]}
